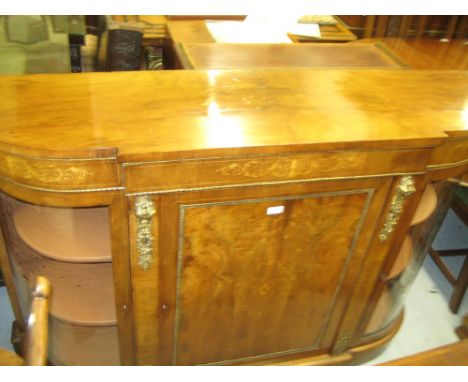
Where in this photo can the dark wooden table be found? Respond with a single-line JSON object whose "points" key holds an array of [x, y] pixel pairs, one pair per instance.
{"points": [[232, 56]]}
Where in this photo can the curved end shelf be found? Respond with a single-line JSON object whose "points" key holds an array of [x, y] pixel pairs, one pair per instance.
{"points": [[76, 235], [381, 312], [83, 346], [426, 206], [85, 296], [403, 258], [82, 294]]}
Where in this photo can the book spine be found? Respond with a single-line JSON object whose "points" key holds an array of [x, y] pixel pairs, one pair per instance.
{"points": [[124, 50], [75, 58]]}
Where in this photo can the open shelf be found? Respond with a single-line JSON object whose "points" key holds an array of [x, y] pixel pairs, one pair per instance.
{"points": [[64, 234], [426, 206], [402, 259], [83, 345], [83, 293]]}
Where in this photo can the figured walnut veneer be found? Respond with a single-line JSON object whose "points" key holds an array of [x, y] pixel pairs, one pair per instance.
{"points": [[224, 217], [225, 244]]}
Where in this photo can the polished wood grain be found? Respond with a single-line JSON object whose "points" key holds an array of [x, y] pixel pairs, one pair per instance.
{"points": [[170, 213], [449, 154], [240, 268], [149, 122], [237, 56], [431, 54], [121, 273], [213, 150], [353, 356], [455, 354]]}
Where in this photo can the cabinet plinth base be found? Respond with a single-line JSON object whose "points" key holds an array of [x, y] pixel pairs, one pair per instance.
{"points": [[353, 356]]}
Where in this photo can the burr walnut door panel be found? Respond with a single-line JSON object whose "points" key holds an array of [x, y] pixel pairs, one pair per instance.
{"points": [[258, 275]]}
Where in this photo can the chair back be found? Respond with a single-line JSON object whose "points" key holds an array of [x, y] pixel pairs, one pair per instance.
{"points": [[36, 337]]}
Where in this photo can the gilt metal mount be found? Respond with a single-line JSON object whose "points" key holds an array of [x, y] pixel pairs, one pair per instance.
{"points": [[404, 189], [144, 212]]}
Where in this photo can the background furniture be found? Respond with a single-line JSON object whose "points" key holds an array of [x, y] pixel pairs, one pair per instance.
{"points": [[188, 31], [236, 56], [427, 54], [36, 337], [460, 283], [337, 31], [33, 44], [271, 216], [408, 26], [193, 30], [154, 36]]}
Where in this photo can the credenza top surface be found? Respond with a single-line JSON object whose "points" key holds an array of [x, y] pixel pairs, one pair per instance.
{"points": [[177, 114]]}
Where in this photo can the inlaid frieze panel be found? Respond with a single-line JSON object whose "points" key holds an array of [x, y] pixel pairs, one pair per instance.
{"points": [[59, 174]]}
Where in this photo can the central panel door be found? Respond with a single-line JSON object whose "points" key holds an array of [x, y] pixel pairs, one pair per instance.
{"points": [[261, 276]]}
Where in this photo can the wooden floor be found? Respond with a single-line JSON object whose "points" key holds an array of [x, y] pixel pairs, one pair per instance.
{"points": [[455, 354]]}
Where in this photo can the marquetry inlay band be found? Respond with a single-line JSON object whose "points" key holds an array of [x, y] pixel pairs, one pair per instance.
{"points": [[59, 174]]}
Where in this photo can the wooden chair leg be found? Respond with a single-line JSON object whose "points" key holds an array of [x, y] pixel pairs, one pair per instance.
{"points": [[460, 288], [462, 331], [442, 267]]}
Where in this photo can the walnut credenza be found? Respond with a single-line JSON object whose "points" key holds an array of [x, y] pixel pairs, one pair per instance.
{"points": [[237, 217]]}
